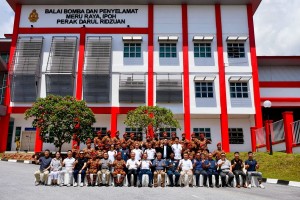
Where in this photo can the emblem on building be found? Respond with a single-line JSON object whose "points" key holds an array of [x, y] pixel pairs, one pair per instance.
{"points": [[33, 16]]}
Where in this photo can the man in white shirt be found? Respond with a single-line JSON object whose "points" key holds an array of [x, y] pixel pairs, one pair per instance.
{"points": [[150, 152], [226, 169], [145, 169], [69, 164], [132, 166], [138, 152], [177, 149], [186, 167]]}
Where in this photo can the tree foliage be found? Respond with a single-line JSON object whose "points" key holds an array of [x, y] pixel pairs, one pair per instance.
{"points": [[58, 118], [151, 116]]}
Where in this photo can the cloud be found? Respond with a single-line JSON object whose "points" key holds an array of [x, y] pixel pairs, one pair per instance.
{"points": [[6, 19], [277, 27]]}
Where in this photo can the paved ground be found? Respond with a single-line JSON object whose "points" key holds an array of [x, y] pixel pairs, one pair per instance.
{"points": [[17, 182]]}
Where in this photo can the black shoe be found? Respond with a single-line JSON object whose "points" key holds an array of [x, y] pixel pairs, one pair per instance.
{"points": [[211, 186], [140, 185], [106, 185], [150, 185], [217, 185], [182, 185], [135, 185], [190, 185], [171, 185], [129, 185], [177, 185], [89, 185]]}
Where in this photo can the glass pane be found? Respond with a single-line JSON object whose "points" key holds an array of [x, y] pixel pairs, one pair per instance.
{"points": [[132, 54], [202, 49], [197, 89], [202, 55], [245, 95], [196, 55], [161, 55], [210, 89], [168, 49], [198, 95], [132, 48], [210, 95], [126, 49], [168, 55], [174, 55], [161, 49], [239, 95], [204, 94], [232, 95], [138, 49], [208, 55], [126, 55], [138, 55]]}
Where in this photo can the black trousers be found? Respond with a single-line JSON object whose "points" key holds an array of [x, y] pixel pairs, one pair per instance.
{"points": [[134, 172], [237, 173]]}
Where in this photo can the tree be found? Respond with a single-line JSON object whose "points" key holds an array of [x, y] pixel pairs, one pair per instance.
{"points": [[151, 116], [58, 118]]}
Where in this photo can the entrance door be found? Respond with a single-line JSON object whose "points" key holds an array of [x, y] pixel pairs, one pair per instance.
{"points": [[28, 140]]}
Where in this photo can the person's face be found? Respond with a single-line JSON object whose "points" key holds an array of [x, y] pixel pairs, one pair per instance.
{"points": [[210, 156], [236, 156], [132, 155], [98, 135], [223, 157], [124, 146], [191, 156], [172, 155], [112, 147], [149, 146], [250, 155], [198, 156], [47, 153], [105, 156], [158, 156], [136, 146], [119, 157], [88, 145], [185, 156], [81, 154], [202, 156], [219, 146], [201, 136], [69, 154], [145, 156], [177, 141], [57, 155]]}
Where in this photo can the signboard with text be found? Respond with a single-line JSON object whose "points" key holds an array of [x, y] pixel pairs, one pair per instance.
{"points": [[90, 16]]}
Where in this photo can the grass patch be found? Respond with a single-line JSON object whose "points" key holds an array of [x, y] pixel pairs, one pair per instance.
{"points": [[1, 155], [280, 166]]}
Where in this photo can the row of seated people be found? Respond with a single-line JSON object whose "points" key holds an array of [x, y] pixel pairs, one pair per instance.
{"points": [[139, 165]]}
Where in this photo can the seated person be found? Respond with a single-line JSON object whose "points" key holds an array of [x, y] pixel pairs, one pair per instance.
{"points": [[225, 169], [132, 166], [218, 151], [211, 166], [80, 165], [199, 169], [251, 166], [43, 172], [119, 166], [55, 167], [105, 164], [145, 166], [186, 167], [69, 164], [159, 168], [92, 169], [237, 168], [172, 166]]}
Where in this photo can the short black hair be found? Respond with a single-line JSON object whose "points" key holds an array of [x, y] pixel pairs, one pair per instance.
{"points": [[237, 152], [47, 150], [250, 152], [177, 138], [70, 151]]}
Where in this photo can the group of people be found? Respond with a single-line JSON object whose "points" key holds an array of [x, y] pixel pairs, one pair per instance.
{"points": [[116, 158]]}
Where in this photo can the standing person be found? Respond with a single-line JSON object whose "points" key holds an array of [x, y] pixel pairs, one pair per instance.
{"points": [[218, 151], [165, 149], [172, 165], [186, 167], [112, 153], [88, 150], [43, 172], [177, 149], [150, 152], [132, 166], [119, 166], [68, 163], [199, 169], [211, 168], [124, 152], [98, 140], [92, 169], [159, 167], [80, 165], [252, 166], [138, 152], [55, 167], [237, 168], [105, 164], [145, 166], [203, 141], [226, 169]]}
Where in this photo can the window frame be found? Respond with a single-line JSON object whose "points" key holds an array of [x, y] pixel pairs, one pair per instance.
{"points": [[200, 93], [236, 50], [237, 139], [201, 54], [164, 46], [238, 92], [132, 50]]}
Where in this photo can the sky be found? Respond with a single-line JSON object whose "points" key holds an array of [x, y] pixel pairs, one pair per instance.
{"points": [[276, 23]]}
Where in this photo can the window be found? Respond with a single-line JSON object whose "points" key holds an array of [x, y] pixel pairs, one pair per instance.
{"points": [[204, 90], [202, 50], [168, 130], [236, 136], [5, 56], [239, 90], [236, 50], [206, 132], [136, 131], [2, 87], [132, 50], [167, 50], [64, 48]]}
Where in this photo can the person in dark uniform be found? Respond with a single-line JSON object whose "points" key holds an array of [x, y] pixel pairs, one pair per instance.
{"points": [[172, 166], [237, 168], [80, 165]]}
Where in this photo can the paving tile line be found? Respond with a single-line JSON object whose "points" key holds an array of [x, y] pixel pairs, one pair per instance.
{"points": [[267, 180]]}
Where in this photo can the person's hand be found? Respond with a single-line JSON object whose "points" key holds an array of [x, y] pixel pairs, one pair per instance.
{"points": [[203, 161], [80, 171], [45, 170], [209, 164]]}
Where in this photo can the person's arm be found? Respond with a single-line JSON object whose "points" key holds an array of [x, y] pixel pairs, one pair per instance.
{"points": [[191, 165], [246, 165], [220, 163], [257, 166], [36, 160], [84, 166]]}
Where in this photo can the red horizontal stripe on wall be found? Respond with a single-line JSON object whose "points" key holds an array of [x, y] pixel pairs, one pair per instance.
{"points": [[279, 84], [280, 99]]}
